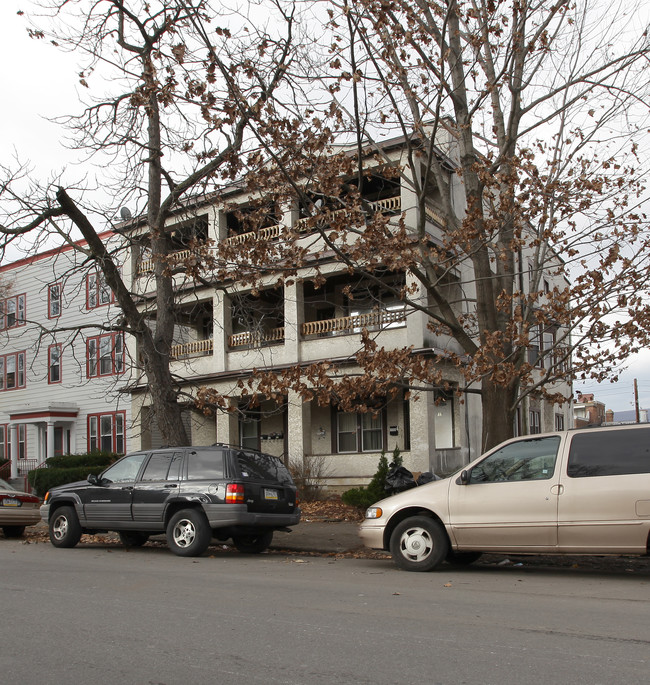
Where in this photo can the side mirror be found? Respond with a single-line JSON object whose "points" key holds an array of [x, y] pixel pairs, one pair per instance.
{"points": [[464, 477], [92, 479]]}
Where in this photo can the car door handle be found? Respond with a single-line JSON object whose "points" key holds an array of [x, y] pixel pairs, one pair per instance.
{"points": [[127, 487], [171, 485]]}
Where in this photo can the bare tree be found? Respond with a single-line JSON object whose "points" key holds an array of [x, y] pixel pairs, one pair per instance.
{"points": [[538, 109], [186, 83]]}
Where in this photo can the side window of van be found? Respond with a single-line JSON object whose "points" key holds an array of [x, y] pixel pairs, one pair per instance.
{"points": [[609, 453], [532, 459]]}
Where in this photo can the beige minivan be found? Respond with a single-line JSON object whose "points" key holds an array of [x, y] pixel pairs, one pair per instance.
{"points": [[571, 492]]}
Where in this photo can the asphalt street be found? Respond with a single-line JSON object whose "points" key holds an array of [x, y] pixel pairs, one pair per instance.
{"points": [[99, 613]]}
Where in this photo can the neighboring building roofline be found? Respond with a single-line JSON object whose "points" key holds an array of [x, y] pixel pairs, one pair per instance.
{"points": [[51, 252]]}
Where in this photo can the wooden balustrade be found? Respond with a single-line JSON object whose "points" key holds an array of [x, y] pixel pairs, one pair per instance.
{"points": [[195, 348], [256, 337], [268, 233], [434, 215], [352, 324], [389, 204], [146, 265]]}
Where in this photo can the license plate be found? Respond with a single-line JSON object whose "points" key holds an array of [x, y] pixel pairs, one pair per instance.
{"points": [[11, 502], [270, 494]]}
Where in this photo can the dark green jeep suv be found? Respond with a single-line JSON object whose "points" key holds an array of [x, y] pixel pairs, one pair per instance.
{"points": [[191, 494]]}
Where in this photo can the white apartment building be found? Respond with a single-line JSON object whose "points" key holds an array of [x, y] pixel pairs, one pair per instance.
{"points": [[227, 330], [61, 369]]}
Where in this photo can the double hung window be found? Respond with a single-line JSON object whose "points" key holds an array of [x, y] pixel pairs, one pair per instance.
{"points": [[12, 312], [105, 355], [106, 432], [98, 293], [359, 432], [12, 371]]}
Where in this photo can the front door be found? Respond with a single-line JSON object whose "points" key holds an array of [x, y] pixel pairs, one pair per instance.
{"points": [[511, 499]]}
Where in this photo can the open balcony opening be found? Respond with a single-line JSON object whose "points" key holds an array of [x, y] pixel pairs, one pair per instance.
{"points": [[257, 319], [345, 305]]}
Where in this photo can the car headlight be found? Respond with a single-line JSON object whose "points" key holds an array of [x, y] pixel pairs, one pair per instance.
{"points": [[374, 512], [47, 497]]}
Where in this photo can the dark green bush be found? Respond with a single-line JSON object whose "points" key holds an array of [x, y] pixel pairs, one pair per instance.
{"points": [[69, 468], [70, 461], [365, 497]]}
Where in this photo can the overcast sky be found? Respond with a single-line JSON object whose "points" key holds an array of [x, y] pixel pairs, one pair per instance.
{"points": [[39, 82]]}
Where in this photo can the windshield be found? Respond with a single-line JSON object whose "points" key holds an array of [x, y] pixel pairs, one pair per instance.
{"points": [[5, 486]]}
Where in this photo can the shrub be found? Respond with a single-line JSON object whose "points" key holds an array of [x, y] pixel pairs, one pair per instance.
{"points": [[69, 468], [309, 476], [365, 497], [92, 459]]}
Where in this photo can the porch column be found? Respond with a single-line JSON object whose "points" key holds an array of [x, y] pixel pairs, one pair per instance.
{"points": [[294, 316], [13, 442], [50, 440], [228, 426], [299, 428], [72, 447], [41, 437], [220, 330], [416, 322], [423, 434]]}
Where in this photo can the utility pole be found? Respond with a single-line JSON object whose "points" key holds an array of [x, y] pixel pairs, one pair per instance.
{"points": [[636, 402]]}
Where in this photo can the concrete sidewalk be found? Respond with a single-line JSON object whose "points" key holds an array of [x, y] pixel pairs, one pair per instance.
{"points": [[319, 536]]}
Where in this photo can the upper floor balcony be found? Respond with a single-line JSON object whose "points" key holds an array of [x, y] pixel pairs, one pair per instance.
{"points": [[239, 232]]}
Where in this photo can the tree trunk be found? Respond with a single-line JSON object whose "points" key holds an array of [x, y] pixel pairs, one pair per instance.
{"points": [[499, 412]]}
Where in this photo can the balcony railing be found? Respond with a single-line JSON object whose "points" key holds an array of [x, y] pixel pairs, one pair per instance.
{"points": [[197, 348], [146, 265], [268, 233], [389, 204], [354, 324], [256, 338], [434, 215]]}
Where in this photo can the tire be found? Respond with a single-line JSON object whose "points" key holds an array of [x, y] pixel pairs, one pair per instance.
{"points": [[419, 544], [462, 558], [13, 531], [188, 533], [253, 544], [133, 538], [65, 529]]}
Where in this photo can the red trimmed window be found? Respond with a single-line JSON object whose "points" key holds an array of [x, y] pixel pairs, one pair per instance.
{"points": [[54, 292], [5, 441], [106, 432], [22, 441], [105, 355], [98, 293], [12, 312], [12, 371], [54, 364]]}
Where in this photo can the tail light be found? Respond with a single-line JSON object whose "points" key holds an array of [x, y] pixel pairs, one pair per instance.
{"points": [[234, 493]]}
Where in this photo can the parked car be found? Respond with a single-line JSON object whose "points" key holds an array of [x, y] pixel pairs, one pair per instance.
{"points": [[17, 510], [571, 492], [189, 493]]}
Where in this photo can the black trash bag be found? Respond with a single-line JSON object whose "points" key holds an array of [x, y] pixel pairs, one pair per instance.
{"points": [[426, 477], [398, 479]]}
